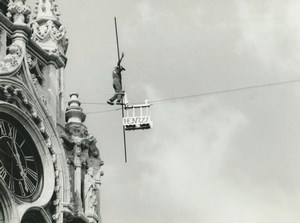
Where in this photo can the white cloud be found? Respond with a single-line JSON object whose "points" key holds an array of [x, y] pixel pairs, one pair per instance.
{"points": [[183, 174], [270, 32], [146, 12], [190, 141]]}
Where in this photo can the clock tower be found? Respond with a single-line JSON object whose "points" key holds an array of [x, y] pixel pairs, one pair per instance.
{"points": [[50, 165]]}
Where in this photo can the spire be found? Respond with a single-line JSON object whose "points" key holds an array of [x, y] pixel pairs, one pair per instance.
{"points": [[48, 32]]}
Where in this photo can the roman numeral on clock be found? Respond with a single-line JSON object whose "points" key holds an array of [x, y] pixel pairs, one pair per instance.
{"points": [[12, 132], [32, 173], [3, 172], [11, 185], [29, 158], [2, 129], [22, 144], [30, 185]]}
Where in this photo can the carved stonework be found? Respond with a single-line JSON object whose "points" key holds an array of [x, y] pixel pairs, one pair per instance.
{"points": [[13, 59], [31, 60], [43, 100], [18, 11], [45, 8], [76, 131], [90, 194], [35, 68], [84, 163], [11, 63], [50, 38], [84, 168], [47, 31]]}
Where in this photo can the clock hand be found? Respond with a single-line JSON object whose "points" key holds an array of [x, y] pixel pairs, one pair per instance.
{"points": [[13, 151], [22, 172], [19, 164]]}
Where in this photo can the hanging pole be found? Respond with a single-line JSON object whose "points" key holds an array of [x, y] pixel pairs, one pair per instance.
{"points": [[116, 28], [118, 50]]}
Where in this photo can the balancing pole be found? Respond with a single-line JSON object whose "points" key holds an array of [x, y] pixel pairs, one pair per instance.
{"points": [[124, 135]]}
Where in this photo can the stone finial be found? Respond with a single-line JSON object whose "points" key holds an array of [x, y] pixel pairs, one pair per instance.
{"points": [[45, 10], [74, 113], [18, 11]]}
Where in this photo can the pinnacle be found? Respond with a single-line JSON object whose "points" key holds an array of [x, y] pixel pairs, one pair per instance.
{"points": [[74, 112], [47, 31], [46, 10]]}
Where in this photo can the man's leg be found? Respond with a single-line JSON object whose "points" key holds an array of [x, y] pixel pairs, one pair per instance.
{"points": [[119, 92], [116, 85], [112, 99], [119, 97]]}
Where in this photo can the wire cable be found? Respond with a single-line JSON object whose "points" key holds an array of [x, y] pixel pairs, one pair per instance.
{"points": [[94, 103], [202, 94], [97, 112], [226, 91]]}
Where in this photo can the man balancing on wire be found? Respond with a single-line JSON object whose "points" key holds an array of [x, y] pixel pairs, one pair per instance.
{"points": [[117, 83]]}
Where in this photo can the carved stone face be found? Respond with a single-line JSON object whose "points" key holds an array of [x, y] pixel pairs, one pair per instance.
{"points": [[77, 130]]}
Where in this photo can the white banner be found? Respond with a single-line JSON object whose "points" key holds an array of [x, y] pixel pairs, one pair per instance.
{"points": [[139, 120]]}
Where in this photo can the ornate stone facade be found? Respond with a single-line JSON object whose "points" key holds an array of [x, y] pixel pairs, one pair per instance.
{"points": [[84, 165], [54, 171]]}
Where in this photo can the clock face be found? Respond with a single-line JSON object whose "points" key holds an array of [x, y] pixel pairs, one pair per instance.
{"points": [[20, 166]]}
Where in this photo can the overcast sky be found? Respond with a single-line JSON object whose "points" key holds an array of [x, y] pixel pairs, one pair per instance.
{"points": [[223, 158]]}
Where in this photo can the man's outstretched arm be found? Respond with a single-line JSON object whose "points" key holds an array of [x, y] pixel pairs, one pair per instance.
{"points": [[119, 62]]}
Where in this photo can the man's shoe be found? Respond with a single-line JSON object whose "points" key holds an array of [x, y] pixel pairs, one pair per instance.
{"points": [[110, 102]]}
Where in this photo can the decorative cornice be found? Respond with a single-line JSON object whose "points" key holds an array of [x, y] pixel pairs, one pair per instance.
{"points": [[41, 33], [50, 37], [12, 28]]}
